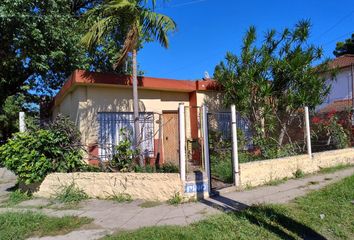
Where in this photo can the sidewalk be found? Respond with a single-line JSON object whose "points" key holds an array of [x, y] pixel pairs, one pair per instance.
{"points": [[111, 217]]}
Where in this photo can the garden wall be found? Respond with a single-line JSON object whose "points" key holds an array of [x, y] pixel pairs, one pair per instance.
{"points": [[260, 172], [147, 186]]}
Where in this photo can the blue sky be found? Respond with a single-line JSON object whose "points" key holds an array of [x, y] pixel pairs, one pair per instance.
{"points": [[207, 29]]}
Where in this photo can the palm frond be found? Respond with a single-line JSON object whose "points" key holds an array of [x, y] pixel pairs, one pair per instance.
{"points": [[130, 43], [158, 26], [95, 34]]}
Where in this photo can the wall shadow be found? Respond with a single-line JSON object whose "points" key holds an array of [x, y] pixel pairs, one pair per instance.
{"points": [[265, 217]]}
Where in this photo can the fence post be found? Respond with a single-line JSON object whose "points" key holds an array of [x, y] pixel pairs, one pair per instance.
{"points": [[22, 124], [206, 144], [234, 146], [308, 134], [182, 142]]}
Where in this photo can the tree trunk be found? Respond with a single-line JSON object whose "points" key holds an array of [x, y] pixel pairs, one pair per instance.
{"points": [[136, 108]]}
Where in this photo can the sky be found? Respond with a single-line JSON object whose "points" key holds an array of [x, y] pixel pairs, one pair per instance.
{"points": [[207, 29]]}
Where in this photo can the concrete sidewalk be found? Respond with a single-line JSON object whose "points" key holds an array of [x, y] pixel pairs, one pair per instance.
{"points": [[111, 217]]}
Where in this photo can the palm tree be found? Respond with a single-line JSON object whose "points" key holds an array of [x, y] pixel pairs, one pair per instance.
{"points": [[136, 22]]}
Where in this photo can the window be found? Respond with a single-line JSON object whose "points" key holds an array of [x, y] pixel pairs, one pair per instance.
{"points": [[110, 126]]}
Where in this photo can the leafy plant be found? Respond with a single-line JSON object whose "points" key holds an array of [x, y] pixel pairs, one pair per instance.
{"points": [[71, 194], [299, 173], [176, 199], [328, 133], [33, 154], [123, 159], [168, 168]]}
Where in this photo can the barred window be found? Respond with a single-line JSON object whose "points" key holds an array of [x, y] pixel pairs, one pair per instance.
{"points": [[110, 126]]}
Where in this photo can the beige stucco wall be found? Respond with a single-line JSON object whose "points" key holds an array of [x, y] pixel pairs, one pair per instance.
{"points": [[84, 103], [146, 186], [212, 99], [260, 172]]}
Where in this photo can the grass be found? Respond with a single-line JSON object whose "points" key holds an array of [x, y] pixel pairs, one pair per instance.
{"points": [[70, 194], [222, 169], [276, 182], [21, 225], [335, 168], [17, 197], [323, 214], [120, 197]]}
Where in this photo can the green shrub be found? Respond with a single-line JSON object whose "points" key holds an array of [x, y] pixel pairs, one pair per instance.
{"points": [[299, 173], [169, 168], [123, 159], [222, 168], [328, 133], [33, 154], [71, 194], [176, 199]]}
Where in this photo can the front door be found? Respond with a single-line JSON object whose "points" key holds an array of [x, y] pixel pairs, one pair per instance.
{"points": [[170, 138]]}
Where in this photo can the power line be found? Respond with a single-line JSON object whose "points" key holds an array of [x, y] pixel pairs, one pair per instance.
{"points": [[337, 38], [336, 24]]}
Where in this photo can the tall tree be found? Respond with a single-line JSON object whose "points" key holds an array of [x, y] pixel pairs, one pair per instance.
{"points": [[137, 22], [346, 47], [270, 82], [39, 48]]}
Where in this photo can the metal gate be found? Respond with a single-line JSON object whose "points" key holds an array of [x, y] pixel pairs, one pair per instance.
{"points": [[220, 147]]}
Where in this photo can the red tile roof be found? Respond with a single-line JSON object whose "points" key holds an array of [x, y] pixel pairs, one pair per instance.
{"points": [[343, 61]]}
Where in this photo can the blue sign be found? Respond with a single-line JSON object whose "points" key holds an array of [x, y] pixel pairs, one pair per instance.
{"points": [[196, 187]]}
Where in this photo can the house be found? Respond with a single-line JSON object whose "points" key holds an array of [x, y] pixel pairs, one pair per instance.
{"points": [[341, 96], [101, 105]]}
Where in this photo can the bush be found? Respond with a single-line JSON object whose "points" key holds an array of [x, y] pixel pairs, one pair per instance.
{"points": [[33, 154], [71, 194], [328, 133], [123, 159]]}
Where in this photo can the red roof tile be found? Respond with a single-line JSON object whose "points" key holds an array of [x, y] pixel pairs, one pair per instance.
{"points": [[343, 61]]}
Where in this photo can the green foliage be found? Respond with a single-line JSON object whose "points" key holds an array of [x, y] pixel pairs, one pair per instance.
{"points": [[335, 168], [22, 225], [124, 157], [141, 24], [345, 47], [165, 168], [328, 133], [271, 82], [299, 173], [9, 116], [35, 153], [221, 168], [176, 199], [71, 194], [16, 197], [168, 168], [120, 197]]}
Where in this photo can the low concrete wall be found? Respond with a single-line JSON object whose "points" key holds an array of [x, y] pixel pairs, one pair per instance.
{"points": [[260, 172], [147, 186]]}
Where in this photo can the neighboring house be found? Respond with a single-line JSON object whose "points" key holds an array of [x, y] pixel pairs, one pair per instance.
{"points": [[101, 104], [341, 96]]}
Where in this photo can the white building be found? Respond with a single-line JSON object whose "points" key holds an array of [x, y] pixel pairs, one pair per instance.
{"points": [[341, 96]]}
